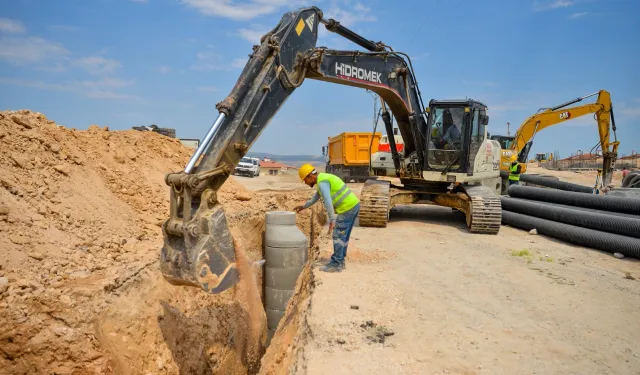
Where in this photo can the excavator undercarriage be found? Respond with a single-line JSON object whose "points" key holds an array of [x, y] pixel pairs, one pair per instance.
{"points": [[480, 205], [457, 168]]}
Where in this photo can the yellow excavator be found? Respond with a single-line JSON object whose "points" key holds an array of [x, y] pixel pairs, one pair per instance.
{"points": [[517, 147]]}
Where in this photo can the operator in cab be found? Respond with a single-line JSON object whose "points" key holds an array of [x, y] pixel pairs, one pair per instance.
{"points": [[514, 173], [342, 206], [452, 135]]}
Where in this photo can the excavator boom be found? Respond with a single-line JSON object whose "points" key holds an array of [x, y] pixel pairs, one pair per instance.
{"points": [[198, 248]]}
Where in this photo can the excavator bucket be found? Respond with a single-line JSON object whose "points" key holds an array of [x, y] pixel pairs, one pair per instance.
{"points": [[200, 253], [198, 248]]}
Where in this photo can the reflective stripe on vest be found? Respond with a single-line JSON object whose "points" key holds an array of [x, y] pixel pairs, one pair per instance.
{"points": [[342, 197], [514, 175]]}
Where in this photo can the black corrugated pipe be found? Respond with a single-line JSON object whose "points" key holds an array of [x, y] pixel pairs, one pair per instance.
{"points": [[598, 221], [613, 213], [551, 183], [629, 177], [595, 239], [599, 202]]}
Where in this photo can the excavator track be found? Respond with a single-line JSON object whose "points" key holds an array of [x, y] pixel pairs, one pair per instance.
{"points": [[374, 203], [485, 214]]}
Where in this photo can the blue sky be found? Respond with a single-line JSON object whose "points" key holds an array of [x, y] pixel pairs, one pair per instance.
{"points": [[123, 63]]}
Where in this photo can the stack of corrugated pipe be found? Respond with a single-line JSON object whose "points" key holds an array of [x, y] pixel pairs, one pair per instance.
{"points": [[572, 213]]}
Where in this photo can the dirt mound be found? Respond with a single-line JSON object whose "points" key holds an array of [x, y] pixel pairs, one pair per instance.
{"points": [[80, 289]]}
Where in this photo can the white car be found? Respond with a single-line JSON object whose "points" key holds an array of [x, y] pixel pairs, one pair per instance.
{"points": [[256, 161], [249, 167]]}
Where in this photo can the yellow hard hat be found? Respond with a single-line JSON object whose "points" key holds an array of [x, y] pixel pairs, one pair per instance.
{"points": [[305, 170]]}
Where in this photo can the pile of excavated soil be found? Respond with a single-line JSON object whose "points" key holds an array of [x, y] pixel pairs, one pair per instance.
{"points": [[80, 288]]}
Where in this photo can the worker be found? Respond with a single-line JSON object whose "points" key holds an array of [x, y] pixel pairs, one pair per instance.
{"points": [[625, 172], [342, 207], [452, 135], [514, 173]]}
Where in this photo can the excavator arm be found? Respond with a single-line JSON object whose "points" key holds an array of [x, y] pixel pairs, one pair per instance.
{"points": [[198, 248], [603, 111]]}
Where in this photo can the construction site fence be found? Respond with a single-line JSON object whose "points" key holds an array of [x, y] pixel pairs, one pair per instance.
{"points": [[622, 162]]}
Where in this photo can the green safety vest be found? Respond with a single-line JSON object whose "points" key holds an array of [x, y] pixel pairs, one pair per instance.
{"points": [[514, 175], [342, 197]]}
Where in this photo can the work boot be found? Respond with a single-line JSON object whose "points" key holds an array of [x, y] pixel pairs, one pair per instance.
{"points": [[331, 267]]}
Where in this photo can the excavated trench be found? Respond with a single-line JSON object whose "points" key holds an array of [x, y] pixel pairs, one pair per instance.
{"points": [[221, 334], [80, 287]]}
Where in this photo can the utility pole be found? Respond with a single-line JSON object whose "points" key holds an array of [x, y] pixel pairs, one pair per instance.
{"points": [[508, 129]]}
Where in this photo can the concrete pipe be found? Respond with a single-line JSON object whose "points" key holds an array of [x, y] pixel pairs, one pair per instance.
{"points": [[286, 253]]}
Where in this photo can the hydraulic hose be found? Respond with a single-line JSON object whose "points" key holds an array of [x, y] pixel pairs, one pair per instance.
{"points": [[599, 221], [595, 239], [551, 183], [599, 202]]}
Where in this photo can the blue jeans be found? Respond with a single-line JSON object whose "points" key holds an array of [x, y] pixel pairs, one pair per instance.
{"points": [[341, 234], [513, 182]]}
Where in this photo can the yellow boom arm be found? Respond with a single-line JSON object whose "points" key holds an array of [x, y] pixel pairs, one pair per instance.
{"points": [[603, 113]]}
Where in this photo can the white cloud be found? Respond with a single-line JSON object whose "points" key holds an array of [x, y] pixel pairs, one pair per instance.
{"points": [[9, 26], [578, 15], [164, 69], [236, 10], [253, 34], [68, 28], [239, 62], [207, 89], [93, 89], [349, 14], [207, 61], [97, 64], [420, 56], [105, 83], [349, 17], [31, 50], [630, 112], [552, 4]]}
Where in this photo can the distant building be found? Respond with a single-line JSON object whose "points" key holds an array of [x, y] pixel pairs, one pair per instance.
{"points": [[587, 156], [271, 167]]}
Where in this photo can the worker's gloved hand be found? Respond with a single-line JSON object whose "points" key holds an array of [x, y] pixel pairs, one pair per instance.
{"points": [[298, 208]]}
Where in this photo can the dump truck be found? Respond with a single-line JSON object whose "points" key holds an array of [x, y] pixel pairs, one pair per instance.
{"points": [[349, 155]]}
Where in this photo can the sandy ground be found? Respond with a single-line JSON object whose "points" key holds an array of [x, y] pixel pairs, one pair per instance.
{"points": [[267, 182], [424, 296], [80, 287], [81, 293]]}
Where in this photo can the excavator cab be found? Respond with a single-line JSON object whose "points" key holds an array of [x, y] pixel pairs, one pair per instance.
{"points": [[456, 132]]}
